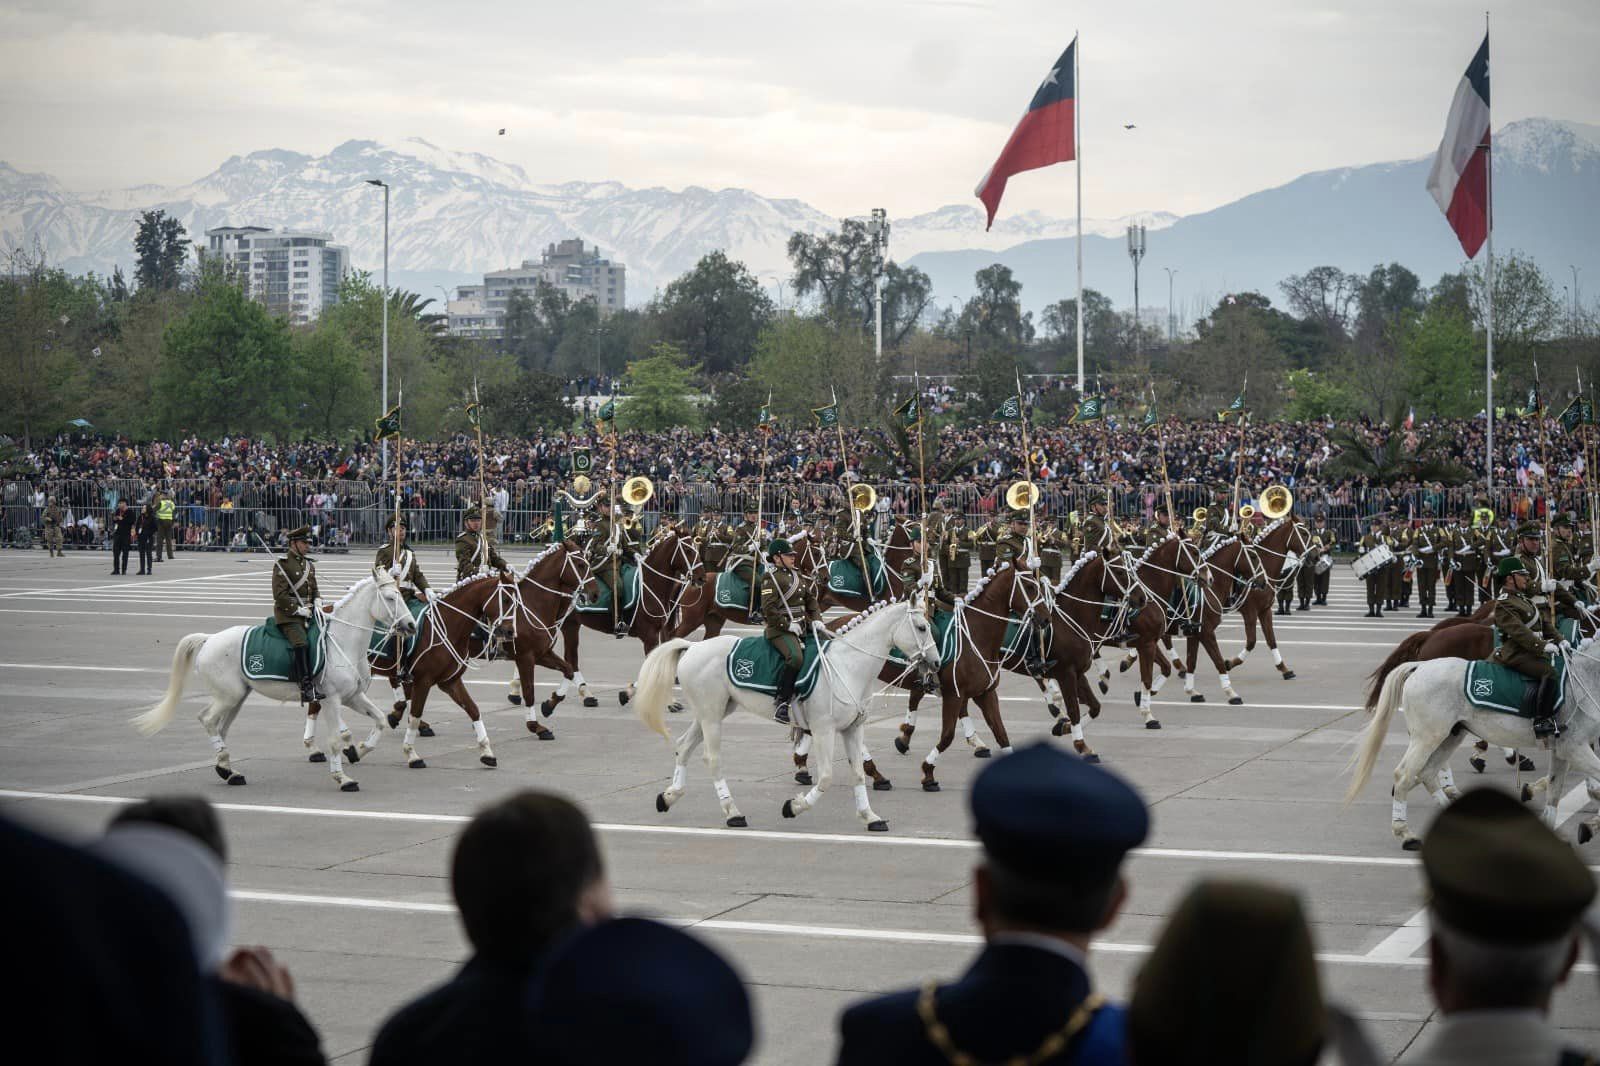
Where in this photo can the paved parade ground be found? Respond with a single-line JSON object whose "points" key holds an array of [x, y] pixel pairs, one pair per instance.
{"points": [[351, 890]]}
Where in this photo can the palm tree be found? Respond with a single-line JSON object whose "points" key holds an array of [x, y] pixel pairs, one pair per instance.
{"points": [[1389, 461], [899, 450], [404, 304]]}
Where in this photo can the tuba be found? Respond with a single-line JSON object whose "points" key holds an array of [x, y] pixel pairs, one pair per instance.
{"points": [[863, 497], [1022, 495], [1276, 501], [636, 491]]}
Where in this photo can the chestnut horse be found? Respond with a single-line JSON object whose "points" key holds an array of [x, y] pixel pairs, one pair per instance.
{"points": [[894, 558], [546, 593]]}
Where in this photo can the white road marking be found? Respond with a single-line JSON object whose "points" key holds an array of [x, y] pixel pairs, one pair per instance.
{"points": [[1404, 941]]}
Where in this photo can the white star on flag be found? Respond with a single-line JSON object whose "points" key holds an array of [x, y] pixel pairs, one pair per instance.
{"points": [[1050, 79]]}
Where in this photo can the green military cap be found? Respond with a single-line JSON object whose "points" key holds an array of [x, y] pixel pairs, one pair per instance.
{"points": [[299, 533], [1018, 516], [473, 514], [1530, 529], [1497, 873], [779, 547], [1561, 521], [1508, 566], [393, 521], [1233, 970]]}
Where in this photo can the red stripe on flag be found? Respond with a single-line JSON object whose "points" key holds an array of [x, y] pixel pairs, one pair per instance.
{"points": [[1469, 212], [1043, 137]]}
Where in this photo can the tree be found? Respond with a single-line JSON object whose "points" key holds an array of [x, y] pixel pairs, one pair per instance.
{"points": [[658, 392], [715, 312], [993, 378], [529, 402], [42, 325], [336, 400], [414, 361], [838, 268], [227, 367], [994, 313], [1325, 296], [1442, 363], [1373, 366], [403, 304], [1234, 345], [736, 404], [1313, 397], [161, 250], [801, 359], [1526, 310], [1391, 459]]}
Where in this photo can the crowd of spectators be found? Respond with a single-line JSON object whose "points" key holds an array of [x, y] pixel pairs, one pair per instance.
{"points": [[237, 492], [137, 927]]}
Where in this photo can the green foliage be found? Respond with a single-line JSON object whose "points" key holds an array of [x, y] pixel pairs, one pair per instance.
{"points": [[335, 401], [1443, 363], [658, 392], [993, 378], [1526, 312], [715, 312], [838, 270], [162, 249], [994, 315], [227, 367], [736, 403], [413, 355], [1393, 460], [1234, 344], [800, 359], [1313, 397], [526, 403]]}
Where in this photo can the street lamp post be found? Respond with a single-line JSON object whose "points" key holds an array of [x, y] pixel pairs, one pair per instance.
{"points": [[1172, 318], [878, 228], [1574, 298], [385, 409], [1136, 253]]}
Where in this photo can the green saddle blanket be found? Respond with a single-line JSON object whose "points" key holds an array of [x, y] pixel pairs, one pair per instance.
{"points": [[632, 582], [264, 655], [844, 577], [1499, 688], [944, 632], [755, 664], [733, 593], [380, 636]]}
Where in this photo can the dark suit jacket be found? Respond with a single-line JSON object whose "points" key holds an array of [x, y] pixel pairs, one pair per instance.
{"points": [[265, 1029], [122, 526], [1006, 1004], [476, 1016]]}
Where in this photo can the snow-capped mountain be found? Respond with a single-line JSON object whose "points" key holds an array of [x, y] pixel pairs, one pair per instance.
{"points": [[454, 215]]}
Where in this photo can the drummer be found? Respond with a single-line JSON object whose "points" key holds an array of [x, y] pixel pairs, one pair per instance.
{"points": [[1377, 578]]}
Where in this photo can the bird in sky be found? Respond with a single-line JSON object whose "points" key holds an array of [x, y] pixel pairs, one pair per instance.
{"points": [[502, 131], [1125, 125]]}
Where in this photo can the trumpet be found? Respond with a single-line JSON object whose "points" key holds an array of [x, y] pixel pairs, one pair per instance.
{"points": [[1199, 516], [1246, 513]]}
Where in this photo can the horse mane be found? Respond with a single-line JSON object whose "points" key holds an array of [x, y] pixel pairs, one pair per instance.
{"points": [[1206, 555], [470, 579], [350, 593], [1072, 571], [537, 559], [859, 620], [1272, 526]]}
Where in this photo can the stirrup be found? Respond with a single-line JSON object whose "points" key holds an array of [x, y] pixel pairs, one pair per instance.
{"points": [[1546, 728], [780, 713]]}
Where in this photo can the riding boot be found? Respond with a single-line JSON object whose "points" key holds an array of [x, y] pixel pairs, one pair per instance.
{"points": [[1545, 726], [784, 696], [1036, 664], [1305, 604], [402, 665], [301, 660]]}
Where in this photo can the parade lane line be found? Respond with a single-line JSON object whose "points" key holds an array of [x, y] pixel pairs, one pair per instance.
{"points": [[790, 929], [734, 834], [139, 614]]}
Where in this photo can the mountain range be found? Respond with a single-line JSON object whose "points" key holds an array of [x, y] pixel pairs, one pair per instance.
{"points": [[455, 215]]}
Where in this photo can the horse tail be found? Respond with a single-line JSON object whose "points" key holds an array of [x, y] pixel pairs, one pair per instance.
{"points": [[655, 683], [1378, 728], [156, 718], [1407, 651]]}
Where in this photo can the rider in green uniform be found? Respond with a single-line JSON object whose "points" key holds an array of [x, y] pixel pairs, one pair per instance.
{"points": [[409, 577], [1526, 640], [788, 607], [294, 597]]}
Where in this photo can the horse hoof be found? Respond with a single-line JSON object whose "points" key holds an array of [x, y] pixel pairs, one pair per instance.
{"points": [[1235, 701], [1152, 724], [317, 756], [590, 701], [930, 786], [901, 746], [394, 719], [350, 786], [417, 764], [1197, 698], [1122, 667], [1105, 689], [1477, 764], [623, 697], [516, 699], [675, 707], [738, 821], [1288, 675], [981, 753], [352, 754], [236, 779], [1527, 794], [1090, 756], [788, 809], [880, 826], [661, 802], [1055, 712], [1526, 765], [1585, 834], [882, 784], [533, 727], [544, 734], [1411, 844], [489, 760], [547, 708], [802, 778], [1059, 729], [425, 731], [223, 772]]}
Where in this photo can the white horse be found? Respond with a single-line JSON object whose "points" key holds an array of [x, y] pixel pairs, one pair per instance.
{"points": [[848, 674], [1432, 697], [373, 602]]}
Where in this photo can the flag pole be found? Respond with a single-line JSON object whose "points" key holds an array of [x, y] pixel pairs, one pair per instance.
{"points": [[1166, 481], [1588, 468], [855, 515], [615, 532], [1077, 166], [1027, 452], [1488, 300], [483, 499], [761, 491], [922, 464], [1238, 466], [400, 401], [1544, 478]]}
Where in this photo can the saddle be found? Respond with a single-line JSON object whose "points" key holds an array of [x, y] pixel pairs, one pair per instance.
{"points": [[264, 654]]}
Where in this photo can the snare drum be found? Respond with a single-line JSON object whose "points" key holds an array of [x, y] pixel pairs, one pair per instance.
{"points": [[1371, 562]]}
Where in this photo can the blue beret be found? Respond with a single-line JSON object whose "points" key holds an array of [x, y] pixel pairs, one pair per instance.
{"points": [[1043, 813], [635, 990]]}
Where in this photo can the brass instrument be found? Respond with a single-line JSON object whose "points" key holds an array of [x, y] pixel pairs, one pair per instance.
{"points": [[1022, 495], [581, 485], [1276, 501], [863, 497], [1246, 513], [638, 490], [1199, 516], [1482, 517]]}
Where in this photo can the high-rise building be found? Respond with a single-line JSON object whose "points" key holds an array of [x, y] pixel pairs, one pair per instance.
{"points": [[480, 310], [295, 273]]}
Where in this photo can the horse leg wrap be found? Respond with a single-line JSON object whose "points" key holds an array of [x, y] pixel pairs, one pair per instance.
{"points": [[1440, 798], [862, 807], [1157, 683], [969, 729], [810, 798], [1277, 657], [680, 778], [1147, 705], [564, 688], [1550, 815], [803, 748], [1397, 812], [1447, 779], [1244, 653], [1224, 681], [581, 682], [1052, 692], [933, 757], [310, 732], [1006, 750], [480, 732], [1077, 733], [723, 792], [217, 744], [911, 717]]}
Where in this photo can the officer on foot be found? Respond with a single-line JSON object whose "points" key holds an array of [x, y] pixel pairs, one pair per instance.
{"points": [[1428, 546], [1054, 831], [409, 577], [166, 512], [788, 607], [52, 529], [1526, 639], [1376, 580], [294, 597], [955, 557]]}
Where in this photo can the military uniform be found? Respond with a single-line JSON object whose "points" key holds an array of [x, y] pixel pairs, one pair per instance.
{"points": [[1320, 581], [413, 585], [985, 537], [1376, 581], [955, 558], [294, 597], [1466, 567], [1014, 548], [1305, 579], [1494, 544], [1429, 545], [744, 545], [1395, 576], [711, 536], [1097, 536], [475, 550], [606, 570], [52, 528], [1052, 546], [788, 607], [1219, 522]]}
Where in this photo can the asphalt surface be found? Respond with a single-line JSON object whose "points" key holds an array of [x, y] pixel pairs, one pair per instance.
{"points": [[351, 890]]}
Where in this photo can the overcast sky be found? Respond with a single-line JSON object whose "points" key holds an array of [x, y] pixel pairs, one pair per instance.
{"points": [[894, 103]]}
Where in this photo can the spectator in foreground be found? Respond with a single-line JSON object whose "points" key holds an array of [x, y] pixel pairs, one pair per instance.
{"points": [[1054, 831], [176, 842], [1232, 979], [526, 872], [632, 990], [1507, 900]]}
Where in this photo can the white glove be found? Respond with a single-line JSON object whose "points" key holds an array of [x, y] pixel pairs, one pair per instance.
{"points": [[797, 629], [1565, 583], [1547, 585], [427, 595], [1594, 565], [303, 612], [1550, 649], [1033, 562]]}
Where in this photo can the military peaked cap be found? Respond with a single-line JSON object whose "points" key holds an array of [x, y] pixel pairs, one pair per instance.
{"points": [[299, 533]]}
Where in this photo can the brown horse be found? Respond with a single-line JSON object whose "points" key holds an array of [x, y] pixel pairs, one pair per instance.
{"points": [[895, 555], [546, 592], [667, 569]]}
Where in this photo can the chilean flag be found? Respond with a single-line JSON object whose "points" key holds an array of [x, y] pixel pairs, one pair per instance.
{"points": [[1044, 136], [1459, 180]]}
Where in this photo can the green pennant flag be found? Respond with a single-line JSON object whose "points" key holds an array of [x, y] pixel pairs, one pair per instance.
{"points": [[1235, 408], [582, 461], [388, 425], [1578, 413], [558, 518], [1010, 409], [910, 412], [1091, 409], [1535, 405], [827, 417], [474, 414], [764, 419], [608, 411], [1150, 420]]}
